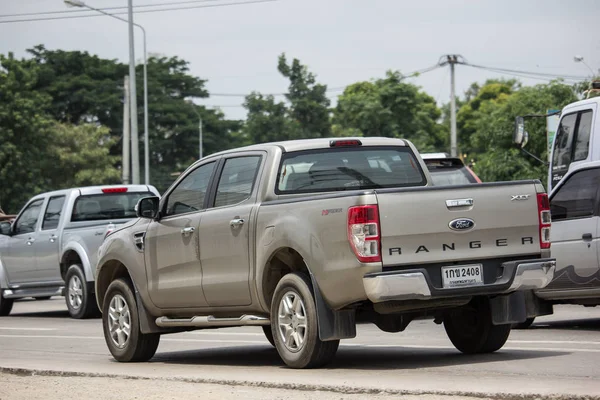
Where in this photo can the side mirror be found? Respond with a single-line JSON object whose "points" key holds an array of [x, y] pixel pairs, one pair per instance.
{"points": [[520, 137], [5, 228], [147, 207]]}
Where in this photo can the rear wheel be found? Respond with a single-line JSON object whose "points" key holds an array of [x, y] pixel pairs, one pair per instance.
{"points": [[6, 305], [80, 302], [471, 331], [120, 322], [295, 326]]}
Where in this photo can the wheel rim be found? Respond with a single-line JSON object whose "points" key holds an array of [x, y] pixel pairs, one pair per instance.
{"points": [[292, 321], [119, 321], [75, 292]]}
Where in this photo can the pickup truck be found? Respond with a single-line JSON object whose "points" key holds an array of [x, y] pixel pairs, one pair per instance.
{"points": [[55, 239], [308, 238]]}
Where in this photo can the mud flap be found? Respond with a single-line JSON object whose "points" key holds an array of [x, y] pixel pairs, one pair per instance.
{"points": [[147, 325], [508, 309], [333, 325]]}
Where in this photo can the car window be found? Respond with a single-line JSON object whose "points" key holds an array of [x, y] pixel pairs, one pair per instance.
{"points": [[106, 206], [561, 158], [237, 180], [29, 218], [451, 176], [577, 197], [339, 169], [189, 194], [582, 144], [53, 213]]}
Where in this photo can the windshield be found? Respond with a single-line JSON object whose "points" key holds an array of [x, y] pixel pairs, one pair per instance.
{"points": [[348, 169], [451, 176], [106, 206]]}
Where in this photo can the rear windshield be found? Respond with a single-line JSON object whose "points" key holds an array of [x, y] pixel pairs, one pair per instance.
{"points": [[99, 207], [444, 175], [326, 170]]}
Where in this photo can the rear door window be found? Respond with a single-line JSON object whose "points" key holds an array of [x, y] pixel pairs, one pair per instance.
{"points": [[53, 213]]}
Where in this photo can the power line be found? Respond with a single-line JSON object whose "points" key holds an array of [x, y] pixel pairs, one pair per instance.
{"points": [[174, 3], [137, 12], [527, 74]]}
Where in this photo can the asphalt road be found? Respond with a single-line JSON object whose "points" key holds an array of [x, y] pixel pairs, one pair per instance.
{"points": [[558, 355]]}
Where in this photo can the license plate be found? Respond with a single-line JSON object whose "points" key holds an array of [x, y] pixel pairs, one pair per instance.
{"points": [[462, 276]]}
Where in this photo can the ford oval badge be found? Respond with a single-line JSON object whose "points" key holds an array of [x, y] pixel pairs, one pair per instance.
{"points": [[461, 224]]}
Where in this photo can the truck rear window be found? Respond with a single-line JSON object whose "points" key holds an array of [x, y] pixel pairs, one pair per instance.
{"points": [[99, 207], [354, 168]]}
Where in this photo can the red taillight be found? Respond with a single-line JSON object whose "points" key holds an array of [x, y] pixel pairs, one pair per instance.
{"points": [[114, 190], [363, 233], [544, 220]]}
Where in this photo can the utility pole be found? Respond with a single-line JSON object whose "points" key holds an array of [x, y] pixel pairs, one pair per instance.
{"points": [[135, 143], [200, 136], [126, 137], [452, 59]]}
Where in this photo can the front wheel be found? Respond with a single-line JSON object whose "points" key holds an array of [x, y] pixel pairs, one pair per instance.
{"points": [[120, 322], [295, 326], [471, 331], [80, 302]]}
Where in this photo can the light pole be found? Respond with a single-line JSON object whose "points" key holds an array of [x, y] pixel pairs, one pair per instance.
{"points": [[580, 59], [133, 108], [199, 130]]}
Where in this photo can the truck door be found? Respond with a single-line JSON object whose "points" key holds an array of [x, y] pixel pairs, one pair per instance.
{"points": [[47, 242], [171, 244], [18, 257], [225, 231], [574, 234]]}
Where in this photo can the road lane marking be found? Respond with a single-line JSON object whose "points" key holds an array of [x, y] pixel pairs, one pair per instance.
{"points": [[553, 342], [390, 346], [27, 329]]}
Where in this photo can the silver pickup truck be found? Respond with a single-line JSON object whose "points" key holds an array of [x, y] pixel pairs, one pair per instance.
{"points": [[308, 238], [55, 239]]}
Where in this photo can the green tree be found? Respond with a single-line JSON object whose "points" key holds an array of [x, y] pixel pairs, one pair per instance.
{"points": [[491, 141], [24, 133], [391, 107]]}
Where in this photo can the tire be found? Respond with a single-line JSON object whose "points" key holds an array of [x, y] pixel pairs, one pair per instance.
{"points": [[269, 334], [471, 331], [80, 302], [120, 302], [525, 324], [6, 305], [311, 352], [43, 298]]}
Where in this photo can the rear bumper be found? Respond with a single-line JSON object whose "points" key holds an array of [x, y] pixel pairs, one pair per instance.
{"points": [[415, 284]]}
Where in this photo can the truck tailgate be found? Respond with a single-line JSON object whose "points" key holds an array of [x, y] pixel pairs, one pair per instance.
{"points": [[428, 225]]}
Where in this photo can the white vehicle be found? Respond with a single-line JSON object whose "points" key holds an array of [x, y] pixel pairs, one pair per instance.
{"points": [[574, 186]]}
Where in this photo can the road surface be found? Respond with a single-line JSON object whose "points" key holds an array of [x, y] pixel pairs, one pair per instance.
{"points": [[558, 356]]}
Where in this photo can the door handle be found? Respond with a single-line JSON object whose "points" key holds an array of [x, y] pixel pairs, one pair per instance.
{"points": [[53, 238], [187, 231], [234, 223], [587, 237], [30, 241]]}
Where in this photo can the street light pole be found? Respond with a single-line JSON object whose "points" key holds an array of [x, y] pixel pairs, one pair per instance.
{"points": [[580, 59], [78, 3], [199, 128]]}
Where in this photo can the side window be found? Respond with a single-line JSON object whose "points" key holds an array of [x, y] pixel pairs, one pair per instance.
{"points": [[577, 197], [29, 218], [53, 213], [584, 128], [237, 180], [189, 194], [561, 159]]}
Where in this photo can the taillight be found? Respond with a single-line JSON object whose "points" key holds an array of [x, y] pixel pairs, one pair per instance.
{"points": [[544, 220], [363, 233]]}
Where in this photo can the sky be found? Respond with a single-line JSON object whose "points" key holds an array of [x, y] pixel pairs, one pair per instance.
{"points": [[341, 41]]}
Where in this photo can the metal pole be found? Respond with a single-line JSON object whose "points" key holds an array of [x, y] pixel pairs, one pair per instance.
{"points": [[126, 139], [146, 138], [135, 150], [453, 147], [200, 136]]}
